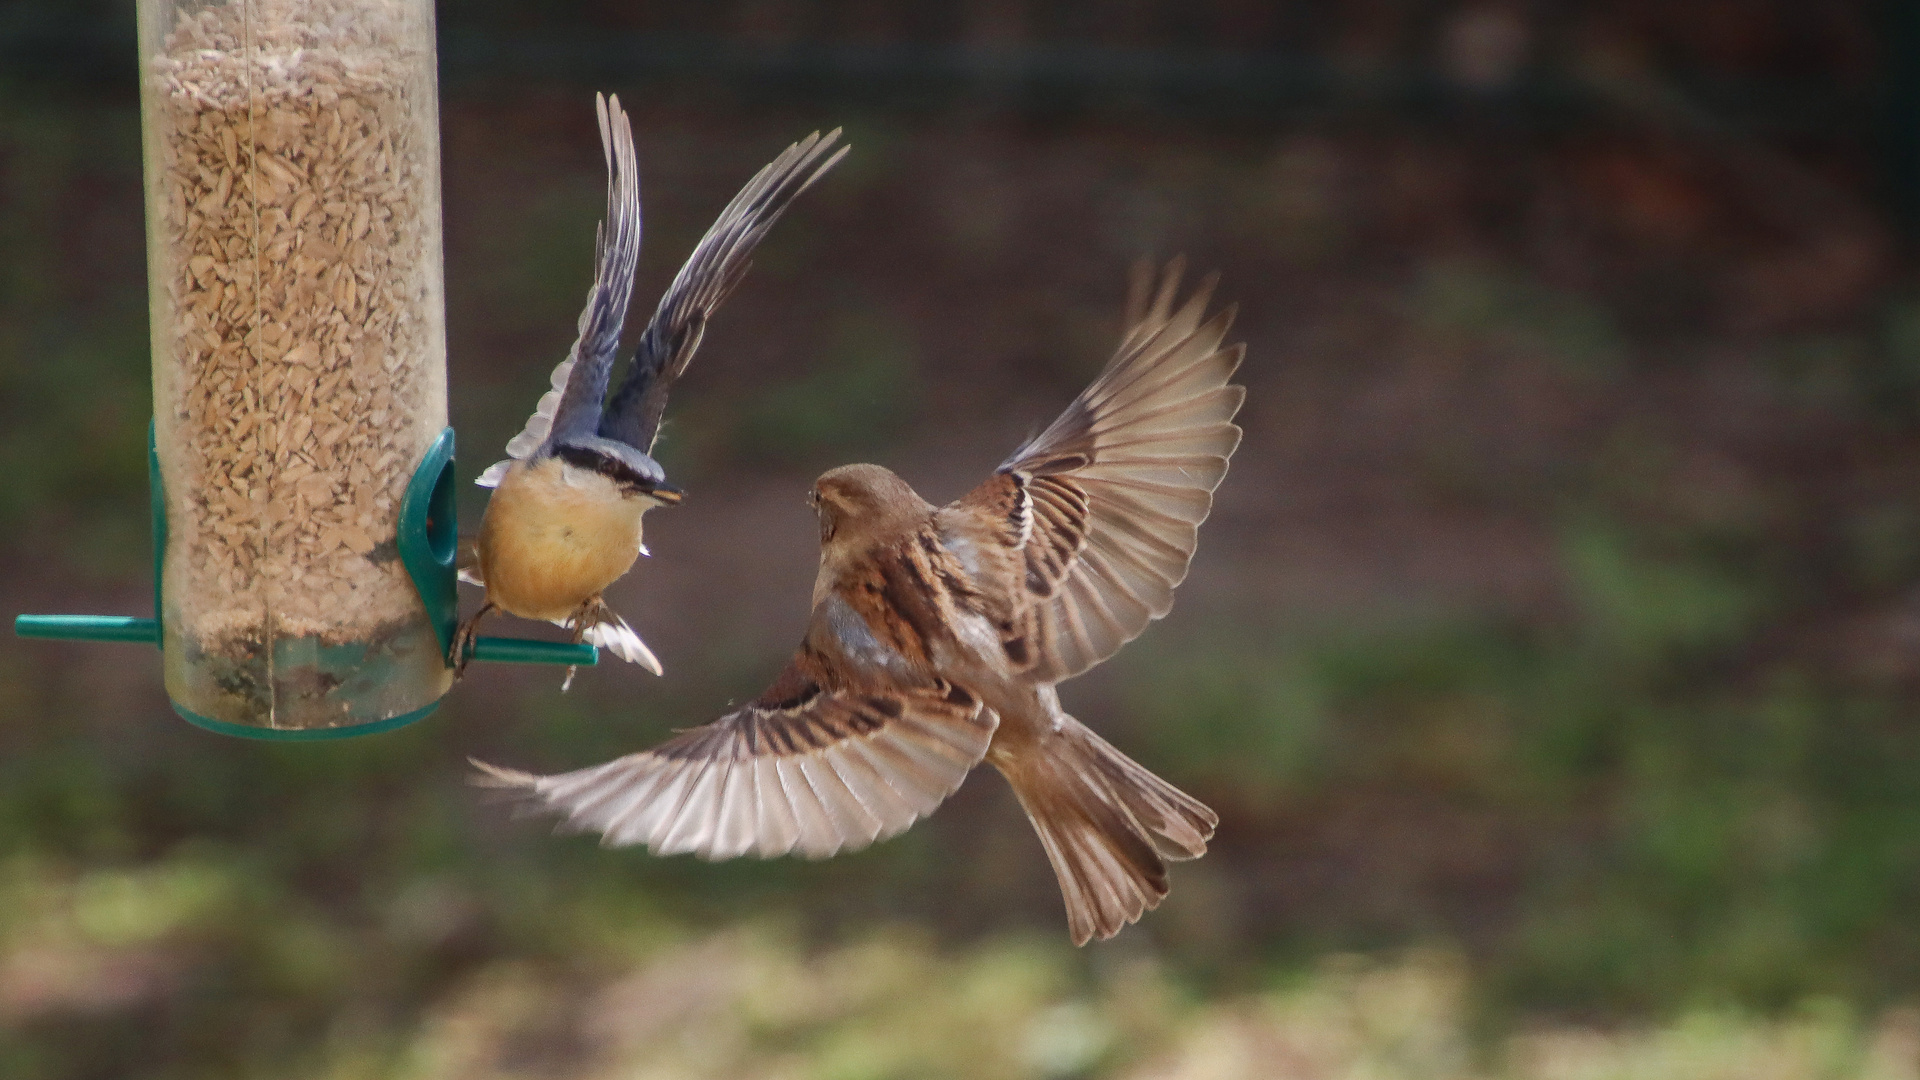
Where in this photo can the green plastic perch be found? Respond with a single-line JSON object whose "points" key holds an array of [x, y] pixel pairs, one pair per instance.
{"points": [[127, 628]]}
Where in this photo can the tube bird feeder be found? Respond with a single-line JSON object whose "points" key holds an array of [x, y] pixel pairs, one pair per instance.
{"points": [[301, 461]]}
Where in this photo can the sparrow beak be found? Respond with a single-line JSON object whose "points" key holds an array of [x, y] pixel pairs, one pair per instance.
{"points": [[666, 494]]}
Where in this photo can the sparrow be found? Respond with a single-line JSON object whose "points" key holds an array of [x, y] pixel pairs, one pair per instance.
{"points": [[564, 519], [938, 636]]}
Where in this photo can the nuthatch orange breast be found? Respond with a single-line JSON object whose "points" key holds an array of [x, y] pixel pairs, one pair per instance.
{"points": [[564, 521]]}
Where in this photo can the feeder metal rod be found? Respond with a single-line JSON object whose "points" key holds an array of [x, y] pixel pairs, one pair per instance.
{"points": [[493, 650]]}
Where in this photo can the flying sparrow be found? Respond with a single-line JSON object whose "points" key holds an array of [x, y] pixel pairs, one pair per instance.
{"points": [[564, 520], [938, 635]]}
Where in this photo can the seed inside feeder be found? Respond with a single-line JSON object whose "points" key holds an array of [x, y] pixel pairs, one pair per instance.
{"points": [[299, 349]]}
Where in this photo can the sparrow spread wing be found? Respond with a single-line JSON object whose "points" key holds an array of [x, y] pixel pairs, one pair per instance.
{"points": [[803, 769], [579, 383], [1103, 507], [717, 264]]}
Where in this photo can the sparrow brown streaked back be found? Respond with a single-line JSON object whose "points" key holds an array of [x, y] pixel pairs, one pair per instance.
{"points": [[938, 635]]}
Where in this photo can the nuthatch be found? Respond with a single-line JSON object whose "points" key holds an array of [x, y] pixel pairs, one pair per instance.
{"points": [[564, 521], [938, 635]]}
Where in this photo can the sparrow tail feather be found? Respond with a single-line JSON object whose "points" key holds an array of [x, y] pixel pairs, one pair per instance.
{"points": [[1107, 825]]}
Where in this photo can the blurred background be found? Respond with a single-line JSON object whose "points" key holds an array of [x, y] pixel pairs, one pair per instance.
{"points": [[1551, 655]]}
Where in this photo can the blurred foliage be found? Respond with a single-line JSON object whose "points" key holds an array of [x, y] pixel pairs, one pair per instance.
{"points": [[636, 999], [1689, 832], [76, 369], [859, 397], [1475, 302]]}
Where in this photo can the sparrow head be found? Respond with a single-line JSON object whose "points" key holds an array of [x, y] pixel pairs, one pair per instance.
{"points": [[856, 502]]}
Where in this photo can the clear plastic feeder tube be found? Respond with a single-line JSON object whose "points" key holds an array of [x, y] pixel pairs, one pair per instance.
{"points": [[299, 352]]}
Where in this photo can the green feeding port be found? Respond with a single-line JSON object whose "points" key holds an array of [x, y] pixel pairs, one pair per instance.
{"points": [[351, 687]]}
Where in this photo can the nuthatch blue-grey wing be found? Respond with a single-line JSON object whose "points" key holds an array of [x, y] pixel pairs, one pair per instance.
{"points": [[579, 383], [717, 264], [565, 519]]}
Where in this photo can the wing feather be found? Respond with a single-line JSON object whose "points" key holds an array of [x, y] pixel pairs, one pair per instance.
{"points": [[733, 834], [814, 773], [776, 826], [818, 837], [693, 826], [857, 827], [578, 384], [1105, 504], [716, 266]]}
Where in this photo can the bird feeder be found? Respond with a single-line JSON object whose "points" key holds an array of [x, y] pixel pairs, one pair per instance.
{"points": [[301, 463]]}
